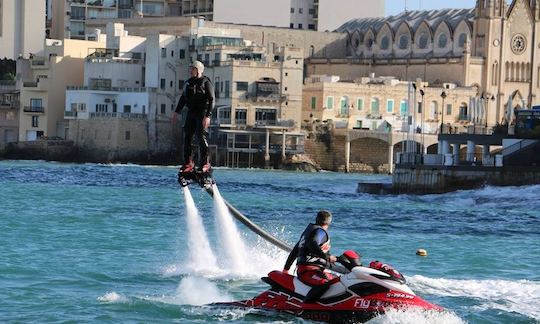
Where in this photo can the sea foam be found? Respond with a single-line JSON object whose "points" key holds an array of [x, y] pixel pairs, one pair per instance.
{"points": [[519, 296]]}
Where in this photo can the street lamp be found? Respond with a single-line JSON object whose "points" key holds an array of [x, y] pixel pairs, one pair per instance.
{"points": [[422, 93], [486, 96], [443, 96]]}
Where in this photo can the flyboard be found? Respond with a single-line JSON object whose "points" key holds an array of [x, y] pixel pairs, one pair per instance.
{"points": [[206, 181]]}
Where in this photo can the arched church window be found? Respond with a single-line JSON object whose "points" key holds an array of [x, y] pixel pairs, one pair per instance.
{"points": [[462, 39], [356, 42], [385, 43], [423, 41], [443, 40], [403, 42], [369, 43]]}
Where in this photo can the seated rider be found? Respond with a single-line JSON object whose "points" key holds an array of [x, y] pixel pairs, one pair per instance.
{"points": [[312, 256]]}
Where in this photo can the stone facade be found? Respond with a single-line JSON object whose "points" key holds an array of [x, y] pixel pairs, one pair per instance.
{"points": [[491, 47], [382, 104], [9, 113]]}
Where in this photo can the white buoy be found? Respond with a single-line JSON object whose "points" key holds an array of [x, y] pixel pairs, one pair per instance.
{"points": [[421, 252]]}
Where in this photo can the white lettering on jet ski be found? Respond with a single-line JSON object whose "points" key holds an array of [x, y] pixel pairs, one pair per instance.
{"points": [[398, 295], [361, 303]]}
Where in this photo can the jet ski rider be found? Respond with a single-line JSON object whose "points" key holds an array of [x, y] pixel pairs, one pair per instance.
{"points": [[312, 252]]}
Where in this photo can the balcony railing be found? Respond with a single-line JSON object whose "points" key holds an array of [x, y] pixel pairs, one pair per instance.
{"points": [[34, 109], [112, 89], [117, 115], [70, 114]]}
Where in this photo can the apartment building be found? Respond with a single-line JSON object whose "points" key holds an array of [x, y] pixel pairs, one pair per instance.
{"points": [[42, 80], [70, 16], [121, 112], [9, 113], [130, 88], [321, 15], [258, 98], [382, 104], [22, 28]]}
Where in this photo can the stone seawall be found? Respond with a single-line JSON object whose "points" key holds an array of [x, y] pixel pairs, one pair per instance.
{"points": [[424, 179], [367, 155]]}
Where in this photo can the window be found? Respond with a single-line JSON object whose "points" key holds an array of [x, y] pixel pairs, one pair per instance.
{"points": [[241, 86], [449, 109], [182, 54], [311, 11], [404, 108], [162, 84], [419, 108], [344, 106], [101, 108], [172, 53], [171, 84], [35, 121], [423, 41], [227, 89], [385, 43], [390, 105], [292, 10], [291, 25], [300, 10], [128, 135], [434, 110], [375, 106], [360, 104], [127, 108], [311, 27], [100, 84], [163, 52], [299, 26], [443, 40], [36, 104], [403, 42], [462, 40], [180, 84], [330, 102], [313, 102], [240, 116], [163, 108], [463, 112]]}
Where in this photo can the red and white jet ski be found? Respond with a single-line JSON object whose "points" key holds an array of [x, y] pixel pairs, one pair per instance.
{"points": [[357, 296]]}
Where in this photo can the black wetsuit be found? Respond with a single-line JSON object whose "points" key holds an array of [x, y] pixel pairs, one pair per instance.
{"points": [[310, 249], [199, 97]]}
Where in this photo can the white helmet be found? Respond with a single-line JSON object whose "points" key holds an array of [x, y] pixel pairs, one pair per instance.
{"points": [[198, 65]]}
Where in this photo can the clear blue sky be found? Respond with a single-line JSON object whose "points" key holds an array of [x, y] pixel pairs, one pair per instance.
{"points": [[396, 6]]}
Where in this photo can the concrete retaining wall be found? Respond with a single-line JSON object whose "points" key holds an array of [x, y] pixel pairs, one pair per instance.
{"points": [[439, 179]]}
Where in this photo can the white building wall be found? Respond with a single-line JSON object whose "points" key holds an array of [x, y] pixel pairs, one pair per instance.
{"points": [[334, 13], [121, 74], [22, 27], [300, 18], [265, 13], [139, 101]]}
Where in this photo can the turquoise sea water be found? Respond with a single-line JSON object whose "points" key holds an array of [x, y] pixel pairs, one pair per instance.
{"points": [[107, 243]]}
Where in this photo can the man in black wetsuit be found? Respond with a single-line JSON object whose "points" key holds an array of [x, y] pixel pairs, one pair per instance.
{"points": [[199, 97], [312, 254]]}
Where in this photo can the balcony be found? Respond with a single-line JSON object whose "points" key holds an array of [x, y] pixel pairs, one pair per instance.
{"points": [[30, 84], [34, 109], [70, 114], [9, 104]]}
